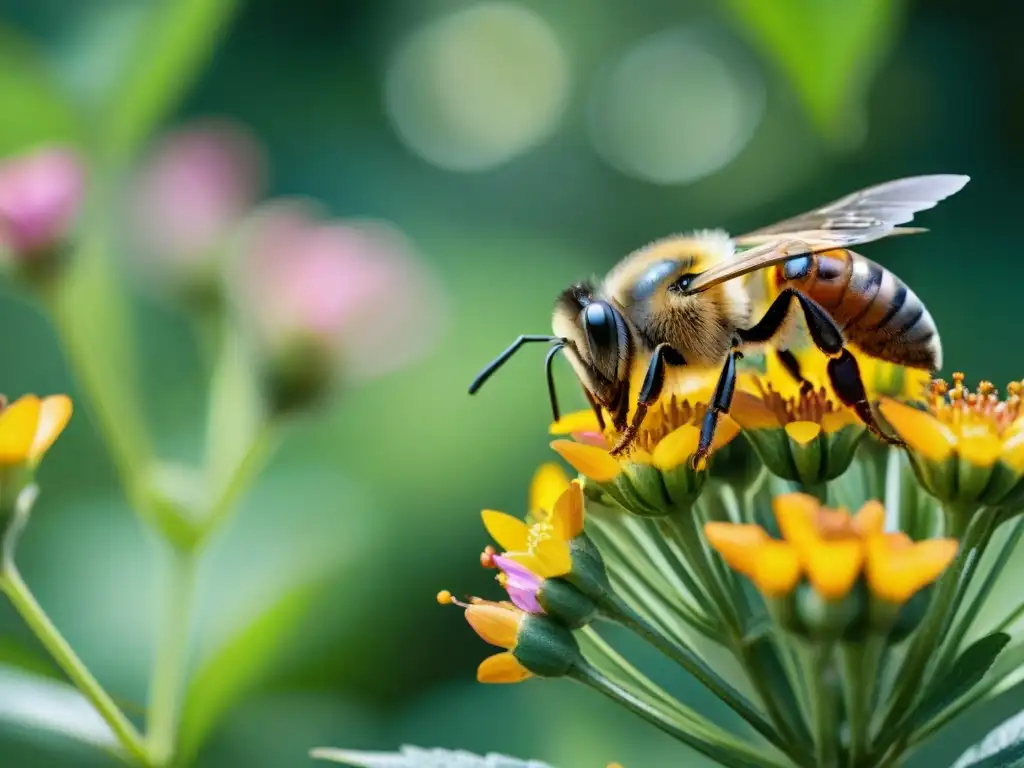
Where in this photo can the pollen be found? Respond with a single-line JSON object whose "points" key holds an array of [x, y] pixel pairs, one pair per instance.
{"points": [[487, 557], [665, 417], [811, 405], [958, 407]]}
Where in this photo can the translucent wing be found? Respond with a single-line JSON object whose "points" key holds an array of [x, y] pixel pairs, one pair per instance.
{"points": [[862, 217]]}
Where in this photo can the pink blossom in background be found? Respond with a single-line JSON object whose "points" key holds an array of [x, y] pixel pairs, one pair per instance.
{"points": [[357, 288], [40, 196], [194, 189]]}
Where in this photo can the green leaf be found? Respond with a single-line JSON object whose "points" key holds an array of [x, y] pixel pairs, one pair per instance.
{"points": [[828, 49], [416, 757], [240, 664], [967, 671], [17, 656], [1003, 747]]}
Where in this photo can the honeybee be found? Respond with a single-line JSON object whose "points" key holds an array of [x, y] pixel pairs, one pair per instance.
{"points": [[679, 301]]}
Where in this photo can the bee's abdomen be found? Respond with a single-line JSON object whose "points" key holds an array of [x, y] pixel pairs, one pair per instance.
{"points": [[876, 310]]}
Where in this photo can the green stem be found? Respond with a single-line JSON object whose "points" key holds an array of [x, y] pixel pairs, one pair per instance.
{"points": [[35, 617], [591, 677], [823, 705], [860, 670], [945, 602], [703, 673], [167, 682]]}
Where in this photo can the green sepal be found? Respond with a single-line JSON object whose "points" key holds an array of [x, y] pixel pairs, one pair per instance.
{"points": [[13, 480], [545, 647], [829, 620], [841, 448], [648, 486], [588, 573], [772, 446], [1004, 488], [972, 480], [808, 458], [736, 464], [566, 603], [897, 622]]}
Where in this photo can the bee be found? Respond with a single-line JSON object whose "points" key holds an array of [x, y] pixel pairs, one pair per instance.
{"points": [[680, 302]]}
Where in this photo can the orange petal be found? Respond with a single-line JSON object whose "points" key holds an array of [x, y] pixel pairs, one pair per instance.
{"points": [[870, 519], [832, 567], [726, 432], [54, 414], [502, 668], [803, 432], [897, 571], [750, 412], [795, 513], [589, 460], [922, 431], [496, 624], [549, 482], [567, 516], [511, 533], [738, 544], [577, 421], [777, 569], [18, 426], [676, 447]]}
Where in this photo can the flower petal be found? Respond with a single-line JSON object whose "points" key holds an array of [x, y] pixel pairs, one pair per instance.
{"points": [[676, 447], [521, 583], [738, 544], [726, 432], [979, 445], [577, 421], [777, 569], [803, 432], [511, 533], [54, 414], [922, 431], [567, 515], [596, 463], [795, 513], [832, 567], [751, 413], [496, 624], [549, 482], [896, 571], [502, 668], [1013, 452], [18, 425], [553, 557], [870, 519]]}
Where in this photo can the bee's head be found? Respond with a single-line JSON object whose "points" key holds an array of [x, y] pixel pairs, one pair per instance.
{"points": [[597, 341]]}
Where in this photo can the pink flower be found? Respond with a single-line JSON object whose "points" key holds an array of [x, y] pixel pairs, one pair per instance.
{"points": [[355, 289], [521, 583], [40, 197], [194, 190]]}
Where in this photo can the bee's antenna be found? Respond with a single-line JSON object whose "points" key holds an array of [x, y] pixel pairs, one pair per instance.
{"points": [[556, 415], [501, 359]]}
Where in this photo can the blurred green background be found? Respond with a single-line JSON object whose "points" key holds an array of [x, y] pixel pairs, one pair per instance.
{"points": [[520, 145]]}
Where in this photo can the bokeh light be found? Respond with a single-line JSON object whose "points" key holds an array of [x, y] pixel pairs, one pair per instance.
{"points": [[675, 107], [474, 89]]}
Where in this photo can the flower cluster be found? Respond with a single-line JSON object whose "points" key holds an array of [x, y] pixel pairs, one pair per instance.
{"points": [[650, 542]]}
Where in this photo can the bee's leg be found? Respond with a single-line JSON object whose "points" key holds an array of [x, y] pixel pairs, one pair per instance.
{"points": [[843, 371], [720, 403], [650, 391], [595, 407], [844, 374], [792, 366]]}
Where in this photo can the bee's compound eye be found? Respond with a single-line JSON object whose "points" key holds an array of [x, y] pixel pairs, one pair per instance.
{"points": [[599, 320]]}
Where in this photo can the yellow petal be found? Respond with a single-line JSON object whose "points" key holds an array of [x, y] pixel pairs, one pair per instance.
{"points": [[553, 558], [897, 570], [832, 567], [502, 668], [833, 421], [1013, 452], [922, 431], [511, 533], [549, 482], [803, 432], [577, 421], [870, 519], [589, 460], [676, 447], [751, 413], [979, 445], [777, 569], [18, 425], [795, 513], [496, 624], [567, 517], [726, 432], [738, 544], [54, 414]]}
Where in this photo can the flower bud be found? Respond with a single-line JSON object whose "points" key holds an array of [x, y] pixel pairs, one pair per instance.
{"points": [[41, 194]]}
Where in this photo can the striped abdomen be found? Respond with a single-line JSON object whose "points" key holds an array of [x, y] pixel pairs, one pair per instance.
{"points": [[875, 309]]}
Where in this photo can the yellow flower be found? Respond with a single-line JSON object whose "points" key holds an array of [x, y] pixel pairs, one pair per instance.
{"points": [[544, 546], [966, 447], [881, 378], [832, 551], [804, 435], [498, 624], [29, 426], [549, 482]]}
